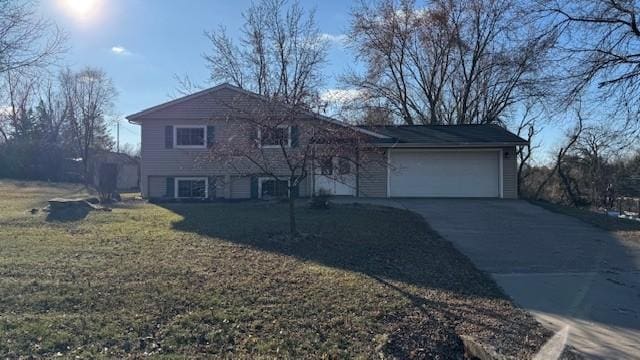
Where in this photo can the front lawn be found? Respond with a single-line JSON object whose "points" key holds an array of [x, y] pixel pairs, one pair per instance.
{"points": [[219, 280]]}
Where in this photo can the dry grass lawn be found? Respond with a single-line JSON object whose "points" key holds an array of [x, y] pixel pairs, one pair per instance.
{"points": [[202, 280], [626, 229]]}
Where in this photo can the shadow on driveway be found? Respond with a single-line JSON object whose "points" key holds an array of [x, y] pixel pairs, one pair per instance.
{"points": [[563, 270]]}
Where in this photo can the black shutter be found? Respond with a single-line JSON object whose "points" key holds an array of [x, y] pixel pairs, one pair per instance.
{"points": [[212, 187], [254, 187], [295, 134], [211, 136], [170, 187], [168, 137]]}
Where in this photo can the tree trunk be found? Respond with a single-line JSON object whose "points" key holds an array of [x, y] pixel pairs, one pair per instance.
{"points": [[567, 186], [292, 215], [85, 169]]}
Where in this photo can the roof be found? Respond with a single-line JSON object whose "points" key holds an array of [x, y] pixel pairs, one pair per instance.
{"points": [[112, 156], [135, 118], [446, 135], [388, 135]]}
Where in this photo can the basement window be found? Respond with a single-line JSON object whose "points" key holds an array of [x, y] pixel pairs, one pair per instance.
{"points": [[191, 188]]}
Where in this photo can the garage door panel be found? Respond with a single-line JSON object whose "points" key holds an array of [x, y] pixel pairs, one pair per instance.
{"points": [[444, 174]]}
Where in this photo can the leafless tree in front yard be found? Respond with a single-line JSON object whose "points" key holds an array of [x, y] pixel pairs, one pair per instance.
{"points": [[286, 144], [279, 55]]}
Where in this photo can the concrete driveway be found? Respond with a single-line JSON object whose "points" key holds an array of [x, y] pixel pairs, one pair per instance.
{"points": [[566, 272]]}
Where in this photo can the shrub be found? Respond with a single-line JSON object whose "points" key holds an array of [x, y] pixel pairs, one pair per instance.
{"points": [[320, 200]]}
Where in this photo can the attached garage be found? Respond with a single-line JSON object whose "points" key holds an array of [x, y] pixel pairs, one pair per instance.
{"points": [[445, 173], [464, 161]]}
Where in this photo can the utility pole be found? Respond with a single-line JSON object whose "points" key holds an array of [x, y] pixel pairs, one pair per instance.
{"points": [[118, 136]]}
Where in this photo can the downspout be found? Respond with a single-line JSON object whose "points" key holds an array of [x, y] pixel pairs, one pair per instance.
{"points": [[357, 171], [313, 164]]}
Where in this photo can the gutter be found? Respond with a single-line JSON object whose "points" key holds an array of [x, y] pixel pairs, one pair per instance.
{"points": [[448, 145]]}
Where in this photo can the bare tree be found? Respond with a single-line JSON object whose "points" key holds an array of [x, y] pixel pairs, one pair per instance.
{"points": [[528, 127], [89, 95], [26, 40], [20, 93], [449, 62], [600, 45], [280, 53], [572, 137], [52, 112], [594, 151], [279, 56], [185, 86], [28, 43], [286, 144]]}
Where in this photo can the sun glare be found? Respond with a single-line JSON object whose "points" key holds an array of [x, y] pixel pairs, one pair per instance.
{"points": [[83, 10]]}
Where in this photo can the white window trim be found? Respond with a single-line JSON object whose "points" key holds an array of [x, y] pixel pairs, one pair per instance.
{"points": [[175, 137], [206, 187], [263, 179], [275, 146]]}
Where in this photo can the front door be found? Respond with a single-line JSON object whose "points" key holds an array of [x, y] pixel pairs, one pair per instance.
{"points": [[336, 177]]}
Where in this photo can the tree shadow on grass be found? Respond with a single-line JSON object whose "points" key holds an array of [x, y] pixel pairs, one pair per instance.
{"points": [[375, 241], [395, 248]]}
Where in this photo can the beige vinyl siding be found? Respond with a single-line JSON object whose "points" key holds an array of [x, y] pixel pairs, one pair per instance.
{"points": [[373, 174], [220, 103], [208, 110], [219, 187], [157, 186], [304, 188], [509, 173], [240, 187]]}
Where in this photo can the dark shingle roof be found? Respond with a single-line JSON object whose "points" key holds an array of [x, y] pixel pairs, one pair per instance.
{"points": [[446, 135]]}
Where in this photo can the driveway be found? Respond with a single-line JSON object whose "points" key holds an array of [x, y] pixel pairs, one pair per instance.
{"points": [[566, 272]]}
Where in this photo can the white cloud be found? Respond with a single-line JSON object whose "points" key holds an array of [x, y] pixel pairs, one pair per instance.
{"points": [[6, 110], [338, 39], [120, 50], [340, 96]]}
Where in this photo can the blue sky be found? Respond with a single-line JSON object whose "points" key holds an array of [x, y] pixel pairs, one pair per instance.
{"points": [[141, 44]]}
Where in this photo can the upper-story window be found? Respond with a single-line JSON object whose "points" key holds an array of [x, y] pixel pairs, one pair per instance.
{"points": [[274, 137], [190, 136]]}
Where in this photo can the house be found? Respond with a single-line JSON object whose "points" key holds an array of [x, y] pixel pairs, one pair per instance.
{"points": [[411, 161]]}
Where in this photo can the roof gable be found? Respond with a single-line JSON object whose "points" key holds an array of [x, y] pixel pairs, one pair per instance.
{"points": [[216, 101], [201, 104]]}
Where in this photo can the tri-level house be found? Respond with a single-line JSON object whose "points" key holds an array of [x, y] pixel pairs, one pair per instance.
{"points": [[179, 138]]}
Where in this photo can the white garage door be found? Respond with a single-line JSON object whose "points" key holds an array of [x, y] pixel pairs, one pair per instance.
{"points": [[425, 173]]}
